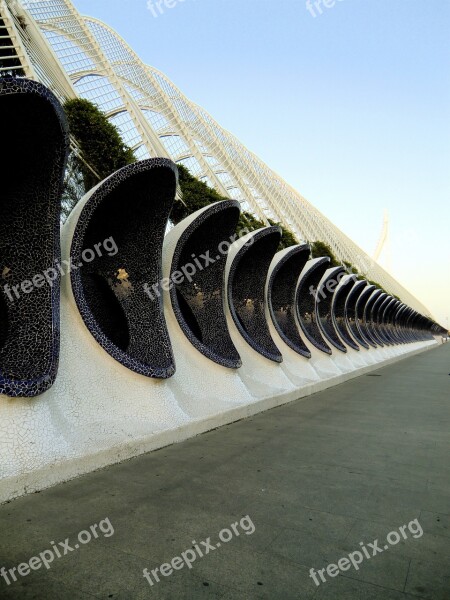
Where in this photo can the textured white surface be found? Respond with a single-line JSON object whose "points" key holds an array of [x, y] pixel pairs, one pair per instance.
{"points": [[202, 387], [298, 369], [262, 377], [356, 357]]}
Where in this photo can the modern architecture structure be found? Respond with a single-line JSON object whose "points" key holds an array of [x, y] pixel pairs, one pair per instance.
{"points": [[74, 55]]}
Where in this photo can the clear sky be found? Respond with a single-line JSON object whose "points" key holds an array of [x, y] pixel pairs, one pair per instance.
{"points": [[351, 107]]}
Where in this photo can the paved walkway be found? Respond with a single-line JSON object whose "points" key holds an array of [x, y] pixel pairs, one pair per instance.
{"points": [[315, 478]]}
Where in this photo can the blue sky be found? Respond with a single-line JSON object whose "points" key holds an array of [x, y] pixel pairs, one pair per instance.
{"points": [[351, 107]]}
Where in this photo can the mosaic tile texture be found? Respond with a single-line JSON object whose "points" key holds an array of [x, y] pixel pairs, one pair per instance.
{"points": [[360, 311], [350, 312], [325, 295], [281, 297], [376, 324], [198, 300], [338, 311], [131, 208], [246, 291], [387, 318], [306, 303], [35, 131], [368, 316]]}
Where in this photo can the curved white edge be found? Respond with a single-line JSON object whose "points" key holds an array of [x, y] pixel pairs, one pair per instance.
{"points": [[324, 364], [356, 356], [342, 360], [261, 376], [203, 388], [298, 368]]}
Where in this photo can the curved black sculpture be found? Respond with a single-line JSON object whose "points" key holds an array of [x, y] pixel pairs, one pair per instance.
{"points": [[412, 326], [338, 310], [281, 296], [424, 327], [417, 327], [198, 300], [378, 317], [35, 144], [246, 291], [389, 320], [351, 315], [427, 328], [392, 325], [407, 322], [118, 291], [405, 325], [368, 318], [361, 315], [307, 302], [399, 322], [324, 301]]}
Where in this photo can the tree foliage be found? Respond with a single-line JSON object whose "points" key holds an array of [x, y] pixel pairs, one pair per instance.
{"points": [[104, 151], [99, 140], [74, 188], [350, 268], [196, 195], [319, 249], [378, 285], [248, 222], [287, 237]]}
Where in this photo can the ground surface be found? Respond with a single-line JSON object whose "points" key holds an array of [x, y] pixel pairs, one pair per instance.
{"points": [[316, 477]]}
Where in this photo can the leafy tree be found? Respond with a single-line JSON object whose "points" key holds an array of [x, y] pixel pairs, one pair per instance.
{"points": [[251, 223], [287, 237], [319, 249], [196, 195], [74, 188], [248, 222], [350, 268], [376, 284], [99, 140]]}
